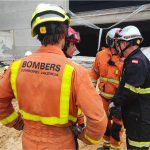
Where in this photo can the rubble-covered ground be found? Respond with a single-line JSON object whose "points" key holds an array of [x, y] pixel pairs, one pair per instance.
{"points": [[10, 139]]}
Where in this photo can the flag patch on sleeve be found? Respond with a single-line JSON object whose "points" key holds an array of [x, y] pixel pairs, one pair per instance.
{"points": [[135, 61]]}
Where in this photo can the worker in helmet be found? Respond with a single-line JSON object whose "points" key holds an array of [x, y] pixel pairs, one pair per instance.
{"points": [[133, 93], [49, 89], [70, 47], [72, 39], [107, 67]]}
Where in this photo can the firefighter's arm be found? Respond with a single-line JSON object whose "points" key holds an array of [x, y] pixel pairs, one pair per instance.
{"points": [[8, 116], [91, 105], [135, 78], [94, 72]]}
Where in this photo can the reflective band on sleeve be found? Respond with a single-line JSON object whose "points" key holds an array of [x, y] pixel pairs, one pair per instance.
{"points": [[106, 94], [121, 60], [109, 80], [137, 90], [91, 140], [14, 72], [47, 120], [94, 82], [95, 69], [10, 118], [138, 144], [79, 112]]}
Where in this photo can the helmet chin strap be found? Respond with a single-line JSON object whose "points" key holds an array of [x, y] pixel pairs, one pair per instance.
{"points": [[115, 49], [67, 44], [122, 51]]}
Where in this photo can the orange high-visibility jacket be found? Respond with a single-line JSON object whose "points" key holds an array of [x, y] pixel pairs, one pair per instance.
{"points": [[49, 89], [109, 76]]}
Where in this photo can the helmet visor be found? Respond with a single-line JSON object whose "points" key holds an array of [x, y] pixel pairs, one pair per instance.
{"points": [[74, 37]]}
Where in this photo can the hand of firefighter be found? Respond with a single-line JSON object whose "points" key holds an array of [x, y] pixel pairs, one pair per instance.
{"points": [[114, 111], [76, 130]]}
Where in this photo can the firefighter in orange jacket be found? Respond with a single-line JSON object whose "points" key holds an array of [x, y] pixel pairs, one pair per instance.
{"points": [[108, 67], [49, 88]]}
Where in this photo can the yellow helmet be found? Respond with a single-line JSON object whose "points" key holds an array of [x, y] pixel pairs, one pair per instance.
{"points": [[46, 13]]}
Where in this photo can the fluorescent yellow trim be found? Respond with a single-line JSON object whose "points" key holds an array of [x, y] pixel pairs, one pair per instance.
{"points": [[91, 140], [13, 77], [106, 94], [79, 112], [109, 80], [10, 118], [139, 144], [47, 120], [137, 90], [115, 147], [116, 72], [65, 91]]}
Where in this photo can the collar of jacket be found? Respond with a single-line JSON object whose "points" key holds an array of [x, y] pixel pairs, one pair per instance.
{"points": [[131, 54], [50, 49], [109, 51]]}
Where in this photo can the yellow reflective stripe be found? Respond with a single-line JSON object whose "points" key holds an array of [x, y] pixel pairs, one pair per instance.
{"points": [[138, 144], [106, 94], [91, 140], [109, 80], [137, 90], [107, 145], [47, 120], [14, 72], [94, 82], [65, 91], [79, 112], [10, 118], [115, 147], [105, 141]]}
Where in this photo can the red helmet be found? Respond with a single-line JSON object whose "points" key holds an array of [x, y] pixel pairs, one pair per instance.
{"points": [[73, 35]]}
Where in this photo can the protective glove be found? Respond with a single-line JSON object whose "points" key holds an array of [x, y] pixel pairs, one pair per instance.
{"points": [[114, 111], [76, 130]]}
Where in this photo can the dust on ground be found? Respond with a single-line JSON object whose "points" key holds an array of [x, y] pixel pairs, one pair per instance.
{"points": [[11, 139]]}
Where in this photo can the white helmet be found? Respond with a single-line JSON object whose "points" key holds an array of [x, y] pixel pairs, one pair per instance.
{"points": [[28, 53], [129, 33], [111, 36]]}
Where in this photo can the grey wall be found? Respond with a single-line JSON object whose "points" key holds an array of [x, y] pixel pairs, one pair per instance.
{"points": [[15, 28]]}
